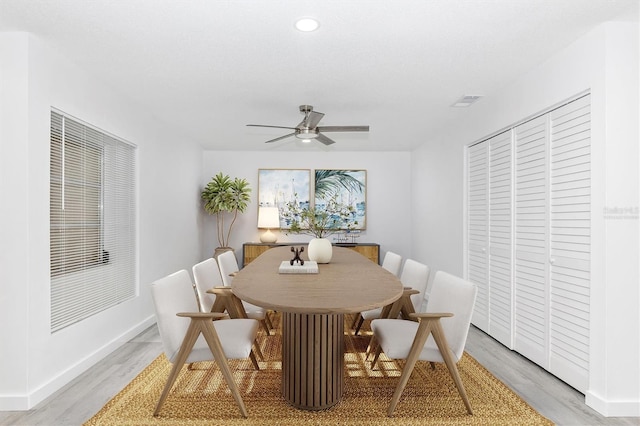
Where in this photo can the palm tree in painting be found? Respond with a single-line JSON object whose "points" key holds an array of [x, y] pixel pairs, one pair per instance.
{"points": [[330, 182]]}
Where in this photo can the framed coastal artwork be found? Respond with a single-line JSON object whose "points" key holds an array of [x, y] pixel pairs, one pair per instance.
{"points": [[348, 187], [276, 187]]}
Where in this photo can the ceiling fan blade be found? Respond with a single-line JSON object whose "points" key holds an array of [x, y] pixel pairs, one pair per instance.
{"points": [[275, 127], [343, 129], [312, 119], [281, 137], [325, 140]]}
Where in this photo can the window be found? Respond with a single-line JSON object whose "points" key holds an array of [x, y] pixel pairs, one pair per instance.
{"points": [[92, 221]]}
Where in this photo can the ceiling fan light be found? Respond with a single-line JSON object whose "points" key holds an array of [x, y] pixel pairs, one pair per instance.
{"points": [[306, 140], [307, 24], [307, 134]]}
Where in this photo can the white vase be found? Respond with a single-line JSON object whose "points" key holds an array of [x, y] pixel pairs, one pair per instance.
{"points": [[320, 250]]}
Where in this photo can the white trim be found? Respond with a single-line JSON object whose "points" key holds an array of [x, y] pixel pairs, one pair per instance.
{"points": [[532, 117], [23, 402], [612, 408], [91, 126]]}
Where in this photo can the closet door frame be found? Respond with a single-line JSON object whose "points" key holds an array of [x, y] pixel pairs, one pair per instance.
{"points": [[548, 325]]}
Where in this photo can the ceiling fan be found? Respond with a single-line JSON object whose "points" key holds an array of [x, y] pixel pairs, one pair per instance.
{"points": [[308, 128]]}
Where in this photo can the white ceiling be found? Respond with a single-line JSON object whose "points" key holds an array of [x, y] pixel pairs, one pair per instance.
{"points": [[213, 66]]}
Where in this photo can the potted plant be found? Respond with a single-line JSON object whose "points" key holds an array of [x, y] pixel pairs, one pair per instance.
{"points": [[224, 196], [319, 222]]}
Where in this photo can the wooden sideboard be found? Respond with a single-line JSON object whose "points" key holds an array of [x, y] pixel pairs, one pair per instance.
{"points": [[252, 250]]}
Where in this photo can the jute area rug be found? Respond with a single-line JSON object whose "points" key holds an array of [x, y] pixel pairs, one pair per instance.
{"points": [[200, 396]]}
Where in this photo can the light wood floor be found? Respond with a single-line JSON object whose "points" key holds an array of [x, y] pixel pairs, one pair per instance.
{"points": [[80, 399]]}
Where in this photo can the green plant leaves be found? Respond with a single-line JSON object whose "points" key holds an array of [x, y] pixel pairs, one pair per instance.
{"points": [[225, 195]]}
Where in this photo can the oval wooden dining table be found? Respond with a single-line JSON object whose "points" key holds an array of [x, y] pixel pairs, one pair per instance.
{"points": [[313, 308]]}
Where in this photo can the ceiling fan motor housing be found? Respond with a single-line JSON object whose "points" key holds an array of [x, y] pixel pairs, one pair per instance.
{"points": [[307, 133]]}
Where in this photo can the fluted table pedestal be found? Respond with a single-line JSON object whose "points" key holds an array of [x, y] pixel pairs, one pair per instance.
{"points": [[312, 359]]}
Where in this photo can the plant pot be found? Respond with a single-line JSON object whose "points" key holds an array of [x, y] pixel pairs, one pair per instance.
{"points": [[219, 250], [320, 250]]}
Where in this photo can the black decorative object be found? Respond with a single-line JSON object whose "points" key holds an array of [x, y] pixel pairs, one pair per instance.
{"points": [[297, 257]]}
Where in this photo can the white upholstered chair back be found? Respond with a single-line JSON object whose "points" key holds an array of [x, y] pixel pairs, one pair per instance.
{"points": [[456, 295], [206, 274], [173, 294], [392, 262], [228, 265], [415, 275]]}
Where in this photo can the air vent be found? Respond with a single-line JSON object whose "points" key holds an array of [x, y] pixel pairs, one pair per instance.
{"points": [[466, 100]]}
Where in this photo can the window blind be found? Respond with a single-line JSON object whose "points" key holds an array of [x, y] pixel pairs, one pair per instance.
{"points": [[92, 220]]}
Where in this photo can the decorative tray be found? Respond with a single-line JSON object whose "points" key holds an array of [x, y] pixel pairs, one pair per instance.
{"points": [[309, 267]]}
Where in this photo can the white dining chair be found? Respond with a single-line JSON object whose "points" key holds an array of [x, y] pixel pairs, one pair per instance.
{"points": [[206, 275], [439, 335], [181, 323], [228, 266], [392, 262], [415, 275], [214, 298]]}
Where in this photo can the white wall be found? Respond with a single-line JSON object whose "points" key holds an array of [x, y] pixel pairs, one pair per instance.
{"points": [[437, 175], [604, 61], [14, 259], [33, 362], [388, 193]]}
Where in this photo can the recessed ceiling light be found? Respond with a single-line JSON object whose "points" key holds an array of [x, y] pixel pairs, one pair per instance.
{"points": [[307, 24]]}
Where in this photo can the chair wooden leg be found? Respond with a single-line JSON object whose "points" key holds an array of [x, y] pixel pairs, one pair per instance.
{"points": [[447, 355], [418, 343], [393, 311], [211, 337], [375, 357], [185, 349], [268, 320], [256, 348], [254, 361], [406, 309], [360, 322], [265, 326], [235, 307], [219, 305], [373, 346], [355, 320]]}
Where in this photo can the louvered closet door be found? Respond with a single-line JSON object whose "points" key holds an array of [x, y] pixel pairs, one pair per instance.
{"points": [[531, 235], [570, 242], [500, 237], [477, 230]]}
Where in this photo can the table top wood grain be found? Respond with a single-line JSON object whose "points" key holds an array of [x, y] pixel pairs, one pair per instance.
{"points": [[349, 283]]}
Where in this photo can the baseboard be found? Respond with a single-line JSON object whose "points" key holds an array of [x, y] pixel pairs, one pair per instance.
{"points": [[27, 401], [612, 408]]}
